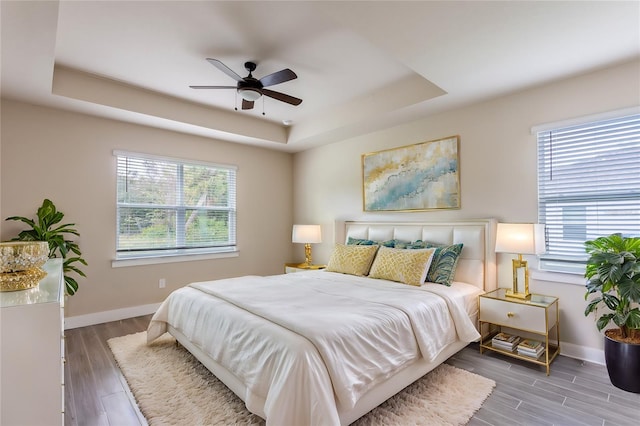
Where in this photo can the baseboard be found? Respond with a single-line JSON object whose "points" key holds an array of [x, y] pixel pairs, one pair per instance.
{"points": [[108, 316], [582, 352]]}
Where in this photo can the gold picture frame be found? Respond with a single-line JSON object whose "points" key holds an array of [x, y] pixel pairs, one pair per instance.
{"points": [[423, 176]]}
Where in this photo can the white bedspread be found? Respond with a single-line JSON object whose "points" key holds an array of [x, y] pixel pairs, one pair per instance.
{"points": [[327, 334]]}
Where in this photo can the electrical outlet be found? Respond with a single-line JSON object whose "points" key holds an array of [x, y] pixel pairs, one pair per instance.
{"points": [[162, 283]]}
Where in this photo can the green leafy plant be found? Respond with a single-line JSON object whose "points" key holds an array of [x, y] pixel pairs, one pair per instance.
{"points": [[47, 228], [613, 273]]}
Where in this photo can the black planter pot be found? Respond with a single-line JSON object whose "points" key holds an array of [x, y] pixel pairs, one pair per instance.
{"points": [[623, 364]]}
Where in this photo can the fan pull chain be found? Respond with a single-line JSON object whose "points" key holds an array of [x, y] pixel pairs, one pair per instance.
{"points": [[263, 105], [236, 104]]}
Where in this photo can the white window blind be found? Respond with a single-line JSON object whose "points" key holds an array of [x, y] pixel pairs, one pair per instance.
{"points": [[588, 186], [172, 207]]}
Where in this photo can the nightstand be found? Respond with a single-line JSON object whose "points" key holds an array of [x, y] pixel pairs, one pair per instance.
{"points": [[299, 267], [538, 316]]}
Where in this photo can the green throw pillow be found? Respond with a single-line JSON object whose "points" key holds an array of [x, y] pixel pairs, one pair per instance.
{"points": [[444, 263], [360, 242], [363, 242]]}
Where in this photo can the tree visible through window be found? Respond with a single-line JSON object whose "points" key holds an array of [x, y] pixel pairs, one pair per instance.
{"points": [[168, 206], [588, 186]]}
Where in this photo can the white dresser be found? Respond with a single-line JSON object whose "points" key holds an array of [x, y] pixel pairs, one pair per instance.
{"points": [[32, 352]]}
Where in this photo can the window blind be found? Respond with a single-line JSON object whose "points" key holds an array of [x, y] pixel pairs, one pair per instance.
{"points": [[167, 206], [588, 186]]}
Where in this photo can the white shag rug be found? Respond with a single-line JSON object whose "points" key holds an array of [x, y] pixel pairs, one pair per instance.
{"points": [[171, 387]]}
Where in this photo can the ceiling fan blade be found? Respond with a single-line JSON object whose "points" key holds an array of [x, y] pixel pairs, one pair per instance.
{"points": [[247, 104], [213, 87], [282, 97], [278, 77], [225, 69]]}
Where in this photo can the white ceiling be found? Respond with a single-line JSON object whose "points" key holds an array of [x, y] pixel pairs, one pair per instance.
{"points": [[361, 66]]}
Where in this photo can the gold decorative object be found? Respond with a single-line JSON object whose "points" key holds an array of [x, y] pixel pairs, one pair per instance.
{"points": [[21, 280], [23, 255], [20, 264]]}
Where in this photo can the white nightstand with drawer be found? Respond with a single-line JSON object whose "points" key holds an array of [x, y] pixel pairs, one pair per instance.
{"points": [[538, 315]]}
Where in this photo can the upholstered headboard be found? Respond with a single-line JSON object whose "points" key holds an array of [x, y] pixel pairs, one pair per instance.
{"points": [[477, 264]]}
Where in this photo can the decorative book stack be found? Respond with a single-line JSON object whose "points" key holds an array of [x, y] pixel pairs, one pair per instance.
{"points": [[507, 342], [531, 348]]}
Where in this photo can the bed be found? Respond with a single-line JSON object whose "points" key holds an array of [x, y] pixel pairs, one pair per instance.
{"points": [[326, 347]]}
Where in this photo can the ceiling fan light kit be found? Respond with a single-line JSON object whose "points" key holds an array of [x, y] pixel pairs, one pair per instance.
{"points": [[250, 88], [249, 94]]}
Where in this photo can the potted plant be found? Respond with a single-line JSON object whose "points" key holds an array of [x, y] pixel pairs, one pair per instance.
{"points": [[47, 228], [613, 273]]}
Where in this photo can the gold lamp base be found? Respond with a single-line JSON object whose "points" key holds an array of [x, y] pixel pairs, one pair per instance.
{"points": [[518, 265], [307, 254], [21, 280], [523, 296]]}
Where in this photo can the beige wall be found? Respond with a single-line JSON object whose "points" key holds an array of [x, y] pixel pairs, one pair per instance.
{"points": [[498, 168], [67, 157]]}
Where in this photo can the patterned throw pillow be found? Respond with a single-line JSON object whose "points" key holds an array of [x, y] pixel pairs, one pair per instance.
{"points": [[404, 266], [419, 244], [352, 259], [444, 263], [399, 244], [363, 242]]}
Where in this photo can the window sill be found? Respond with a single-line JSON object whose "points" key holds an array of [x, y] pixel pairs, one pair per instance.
{"points": [[557, 277], [123, 263]]}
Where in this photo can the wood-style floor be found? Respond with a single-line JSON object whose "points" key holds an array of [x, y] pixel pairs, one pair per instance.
{"points": [[575, 393]]}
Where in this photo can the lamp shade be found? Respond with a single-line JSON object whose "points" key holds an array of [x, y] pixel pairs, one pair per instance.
{"points": [[520, 238], [306, 234]]}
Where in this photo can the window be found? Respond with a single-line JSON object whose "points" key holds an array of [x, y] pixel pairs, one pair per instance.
{"points": [[588, 186], [172, 207]]}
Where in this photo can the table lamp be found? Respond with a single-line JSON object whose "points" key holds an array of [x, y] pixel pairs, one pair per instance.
{"points": [[520, 238], [307, 235]]}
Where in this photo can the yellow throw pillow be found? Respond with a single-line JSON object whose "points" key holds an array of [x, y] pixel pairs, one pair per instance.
{"points": [[353, 260], [401, 265]]}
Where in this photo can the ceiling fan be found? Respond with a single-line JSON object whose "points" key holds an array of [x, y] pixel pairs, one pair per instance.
{"points": [[251, 88]]}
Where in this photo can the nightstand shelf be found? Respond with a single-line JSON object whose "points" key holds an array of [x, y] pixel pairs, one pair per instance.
{"points": [[540, 361], [299, 267], [538, 316]]}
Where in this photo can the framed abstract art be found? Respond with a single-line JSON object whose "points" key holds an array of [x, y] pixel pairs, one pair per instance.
{"points": [[424, 176]]}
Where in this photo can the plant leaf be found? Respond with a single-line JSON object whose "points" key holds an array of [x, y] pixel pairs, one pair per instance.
{"points": [[71, 285], [603, 321], [592, 306], [611, 301], [634, 319]]}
